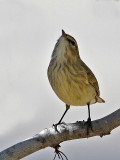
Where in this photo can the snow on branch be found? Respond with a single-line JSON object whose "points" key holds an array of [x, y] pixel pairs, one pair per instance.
{"points": [[51, 138]]}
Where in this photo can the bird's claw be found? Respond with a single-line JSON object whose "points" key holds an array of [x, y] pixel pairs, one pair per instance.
{"points": [[89, 125], [55, 125]]}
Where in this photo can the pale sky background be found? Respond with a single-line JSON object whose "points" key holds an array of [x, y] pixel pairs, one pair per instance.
{"points": [[29, 30]]}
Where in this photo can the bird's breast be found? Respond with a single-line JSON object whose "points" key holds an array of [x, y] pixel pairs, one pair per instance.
{"points": [[69, 86]]}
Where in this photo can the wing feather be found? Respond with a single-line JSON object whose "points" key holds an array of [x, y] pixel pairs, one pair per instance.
{"points": [[91, 77]]}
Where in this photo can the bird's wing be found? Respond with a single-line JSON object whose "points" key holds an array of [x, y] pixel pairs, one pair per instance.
{"points": [[91, 77]]}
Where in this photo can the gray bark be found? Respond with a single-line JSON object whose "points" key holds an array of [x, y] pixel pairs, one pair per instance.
{"points": [[51, 138]]}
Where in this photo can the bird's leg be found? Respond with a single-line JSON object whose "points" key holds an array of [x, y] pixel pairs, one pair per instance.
{"points": [[67, 108], [89, 124]]}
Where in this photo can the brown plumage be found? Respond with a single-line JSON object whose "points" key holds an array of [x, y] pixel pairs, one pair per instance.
{"points": [[71, 79]]}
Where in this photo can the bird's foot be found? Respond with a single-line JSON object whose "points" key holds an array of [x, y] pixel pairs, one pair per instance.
{"points": [[89, 125], [55, 126]]}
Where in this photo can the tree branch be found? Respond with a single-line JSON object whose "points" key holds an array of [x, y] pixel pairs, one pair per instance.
{"points": [[51, 138]]}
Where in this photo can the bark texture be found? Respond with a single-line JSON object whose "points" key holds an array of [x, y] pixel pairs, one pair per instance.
{"points": [[51, 138]]}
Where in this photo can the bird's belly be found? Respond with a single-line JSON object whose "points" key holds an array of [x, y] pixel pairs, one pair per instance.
{"points": [[72, 91]]}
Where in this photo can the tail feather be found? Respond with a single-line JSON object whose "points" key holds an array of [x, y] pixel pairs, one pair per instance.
{"points": [[100, 100]]}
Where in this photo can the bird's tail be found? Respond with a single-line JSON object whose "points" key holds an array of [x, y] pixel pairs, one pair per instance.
{"points": [[100, 100]]}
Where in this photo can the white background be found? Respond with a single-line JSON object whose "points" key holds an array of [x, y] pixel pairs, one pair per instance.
{"points": [[29, 30]]}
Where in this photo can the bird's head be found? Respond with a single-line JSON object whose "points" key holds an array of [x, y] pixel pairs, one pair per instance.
{"points": [[66, 47]]}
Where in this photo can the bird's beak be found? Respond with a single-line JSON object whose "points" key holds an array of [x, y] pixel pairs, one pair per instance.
{"points": [[63, 33]]}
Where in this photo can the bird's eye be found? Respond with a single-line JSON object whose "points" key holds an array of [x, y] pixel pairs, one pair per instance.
{"points": [[72, 42]]}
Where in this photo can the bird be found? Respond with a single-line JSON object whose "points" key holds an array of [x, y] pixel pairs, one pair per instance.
{"points": [[70, 78]]}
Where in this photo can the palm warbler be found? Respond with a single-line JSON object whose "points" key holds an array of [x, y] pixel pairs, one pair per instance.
{"points": [[71, 79]]}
